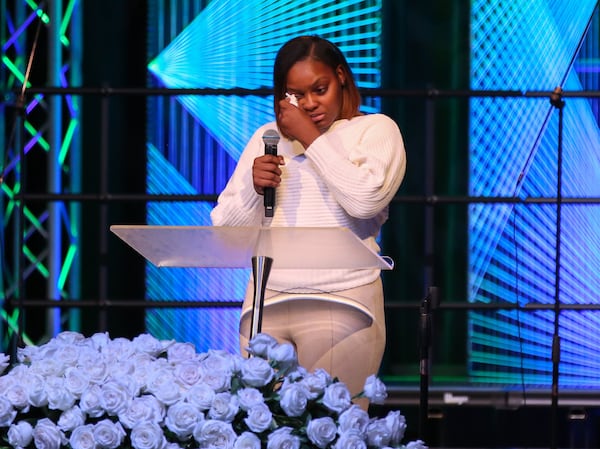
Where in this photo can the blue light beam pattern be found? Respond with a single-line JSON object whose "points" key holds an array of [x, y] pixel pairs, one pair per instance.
{"points": [[531, 45], [232, 44], [188, 284]]}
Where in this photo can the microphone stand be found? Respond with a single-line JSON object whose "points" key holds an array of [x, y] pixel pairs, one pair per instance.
{"points": [[557, 101], [428, 305], [261, 267]]}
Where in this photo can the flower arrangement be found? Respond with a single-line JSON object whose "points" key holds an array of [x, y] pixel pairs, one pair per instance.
{"points": [[144, 393]]}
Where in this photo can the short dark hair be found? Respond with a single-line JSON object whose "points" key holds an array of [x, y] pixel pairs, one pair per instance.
{"points": [[320, 49]]}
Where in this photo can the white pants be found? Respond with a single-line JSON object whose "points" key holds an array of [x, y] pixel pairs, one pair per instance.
{"points": [[332, 335]]}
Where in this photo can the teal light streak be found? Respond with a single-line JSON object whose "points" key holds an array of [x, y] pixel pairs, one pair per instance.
{"points": [[67, 140], [13, 324], [66, 267], [66, 20], [14, 69], [39, 12], [37, 135], [36, 262], [7, 190], [34, 220]]}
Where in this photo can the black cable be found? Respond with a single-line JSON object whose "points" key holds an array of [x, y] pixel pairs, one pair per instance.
{"points": [[518, 310]]}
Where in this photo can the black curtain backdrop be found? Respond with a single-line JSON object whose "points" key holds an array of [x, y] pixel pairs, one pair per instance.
{"points": [[114, 55], [426, 46]]}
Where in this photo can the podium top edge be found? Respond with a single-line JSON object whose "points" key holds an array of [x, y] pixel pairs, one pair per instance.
{"points": [[158, 242]]}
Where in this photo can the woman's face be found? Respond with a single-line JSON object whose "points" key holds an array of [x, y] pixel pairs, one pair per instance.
{"points": [[318, 89]]}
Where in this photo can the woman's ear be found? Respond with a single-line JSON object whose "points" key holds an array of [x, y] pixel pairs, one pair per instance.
{"points": [[341, 75]]}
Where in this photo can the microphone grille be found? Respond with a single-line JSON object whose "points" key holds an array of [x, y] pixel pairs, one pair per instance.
{"points": [[270, 137]]}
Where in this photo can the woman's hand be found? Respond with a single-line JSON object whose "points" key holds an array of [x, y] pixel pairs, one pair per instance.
{"points": [[266, 172], [295, 123]]}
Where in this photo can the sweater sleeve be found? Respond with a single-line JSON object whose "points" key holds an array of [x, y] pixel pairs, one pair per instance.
{"points": [[239, 204], [362, 165]]}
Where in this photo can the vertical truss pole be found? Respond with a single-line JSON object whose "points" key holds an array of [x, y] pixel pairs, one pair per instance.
{"points": [[12, 69], [53, 325], [38, 240], [2, 159], [75, 161]]}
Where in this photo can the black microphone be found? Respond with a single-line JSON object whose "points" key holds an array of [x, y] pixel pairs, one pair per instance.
{"points": [[271, 139]]}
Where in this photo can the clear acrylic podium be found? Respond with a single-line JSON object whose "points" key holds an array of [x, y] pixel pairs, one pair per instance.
{"points": [[259, 248]]}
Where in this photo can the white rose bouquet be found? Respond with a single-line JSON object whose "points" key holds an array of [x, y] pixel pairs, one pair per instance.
{"points": [[101, 393]]}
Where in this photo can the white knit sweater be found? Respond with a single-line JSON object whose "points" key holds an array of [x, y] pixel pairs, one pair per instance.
{"points": [[346, 178]]}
